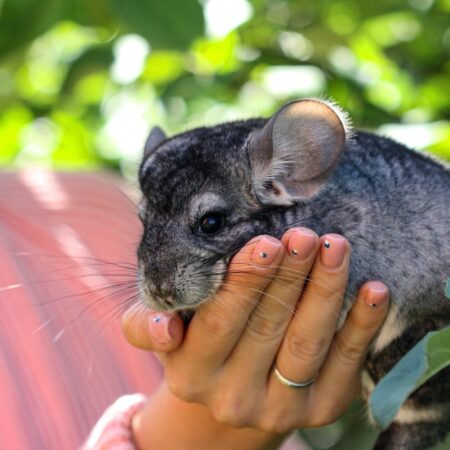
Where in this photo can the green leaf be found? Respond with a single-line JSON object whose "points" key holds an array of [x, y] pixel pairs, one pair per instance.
{"points": [[12, 123], [166, 24], [162, 67], [393, 28], [216, 55], [96, 59], [74, 148], [447, 288], [430, 355], [23, 20]]}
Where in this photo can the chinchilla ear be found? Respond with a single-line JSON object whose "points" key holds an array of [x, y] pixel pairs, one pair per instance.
{"points": [[296, 151], [155, 138]]}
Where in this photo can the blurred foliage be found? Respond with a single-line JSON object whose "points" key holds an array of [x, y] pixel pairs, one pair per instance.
{"points": [[82, 82], [428, 357]]}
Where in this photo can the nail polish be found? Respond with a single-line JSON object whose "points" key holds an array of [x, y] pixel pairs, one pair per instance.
{"points": [[161, 328], [301, 243], [332, 251], [376, 295], [266, 250]]}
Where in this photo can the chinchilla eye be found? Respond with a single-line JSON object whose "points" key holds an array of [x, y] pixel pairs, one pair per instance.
{"points": [[211, 223]]}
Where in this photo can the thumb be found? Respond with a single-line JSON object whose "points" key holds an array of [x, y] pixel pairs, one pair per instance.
{"points": [[150, 330]]}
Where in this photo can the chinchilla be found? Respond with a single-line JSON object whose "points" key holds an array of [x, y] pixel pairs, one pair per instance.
{"points": [[208, 191]]}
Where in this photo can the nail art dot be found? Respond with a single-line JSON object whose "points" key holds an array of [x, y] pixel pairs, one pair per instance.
{"points": [[157, 319], [294, 252], [263, 255], [373, 305], [327, 244]]}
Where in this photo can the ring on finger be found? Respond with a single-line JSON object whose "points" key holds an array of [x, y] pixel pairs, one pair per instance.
{"points": [[290, 383]]}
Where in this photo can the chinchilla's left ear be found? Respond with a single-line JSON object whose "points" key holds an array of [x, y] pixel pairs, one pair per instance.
{"points": [[296, 151], [155, 138]]}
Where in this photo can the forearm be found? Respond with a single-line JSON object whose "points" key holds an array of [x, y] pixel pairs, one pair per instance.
{"points": [[169, 423]]}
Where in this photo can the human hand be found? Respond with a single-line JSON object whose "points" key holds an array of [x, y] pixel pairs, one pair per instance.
{"points": [[225, 360]]}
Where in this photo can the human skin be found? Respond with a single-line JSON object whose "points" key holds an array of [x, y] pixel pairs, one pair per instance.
{"points": [[220, 390]]}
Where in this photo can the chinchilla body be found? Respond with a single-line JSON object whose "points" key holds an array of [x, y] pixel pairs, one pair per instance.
{"points": [[304, 168]]}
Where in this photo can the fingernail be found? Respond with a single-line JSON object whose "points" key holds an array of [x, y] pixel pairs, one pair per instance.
{"points": [[376, 294], [161, 328], [266, 251], [301, 243], [332, 251]]}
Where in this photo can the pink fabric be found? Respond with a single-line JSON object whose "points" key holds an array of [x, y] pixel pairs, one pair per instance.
{"points": [[63, 359], [67, 248], [113, 430]]}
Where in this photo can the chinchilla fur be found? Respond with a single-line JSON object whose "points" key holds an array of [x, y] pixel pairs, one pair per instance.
{"points": [[303, 167]]}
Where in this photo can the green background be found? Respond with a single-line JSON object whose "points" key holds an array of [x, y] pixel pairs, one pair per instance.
{"points": [[82, 81]]}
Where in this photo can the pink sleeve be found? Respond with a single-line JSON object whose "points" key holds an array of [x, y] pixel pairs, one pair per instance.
{"points": [[113, 430]]}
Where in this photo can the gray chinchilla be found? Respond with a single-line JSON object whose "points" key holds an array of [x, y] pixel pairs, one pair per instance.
{"points": [[303, 167]]}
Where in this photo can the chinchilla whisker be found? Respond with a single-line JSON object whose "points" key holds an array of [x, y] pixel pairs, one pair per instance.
{"points": [[105, 316], [264, 309], [283, 281], [301, 275], [269, 266], [240, 246], [238, 295], [120, 211], [250, 266], [308, 279], [293, 276], [124, 277], [114, 312], [119, 308], [102, 300], [292, 310], [255, 290], [140, 305], [102, 266], [120, 287], [70, 258], [66, 268], [258, 291]]}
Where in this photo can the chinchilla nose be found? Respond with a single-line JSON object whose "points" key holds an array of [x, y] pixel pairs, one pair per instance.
{"points": [[161, 291]]}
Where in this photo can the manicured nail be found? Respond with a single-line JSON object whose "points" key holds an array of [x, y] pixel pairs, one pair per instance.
{"points": [[301, 243], [161, 327], [333, 250], [266, 251], [376, 294]]}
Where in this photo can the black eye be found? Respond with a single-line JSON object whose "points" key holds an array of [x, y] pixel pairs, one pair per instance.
{"points": [[211, 223]]}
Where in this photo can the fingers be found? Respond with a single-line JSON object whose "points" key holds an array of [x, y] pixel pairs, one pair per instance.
{"points": [[232, 341], [148, 330], [311, 331], [218, 324], [270, 319], [350, 346]]}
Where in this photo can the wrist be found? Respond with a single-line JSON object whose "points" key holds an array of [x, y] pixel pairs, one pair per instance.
{"points": [[169, 423]]}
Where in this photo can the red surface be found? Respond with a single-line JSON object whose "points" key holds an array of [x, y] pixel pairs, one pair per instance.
{"points": [[67, 246]]}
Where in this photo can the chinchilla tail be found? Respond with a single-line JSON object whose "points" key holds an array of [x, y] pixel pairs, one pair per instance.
{"points": [[414, 436]]}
